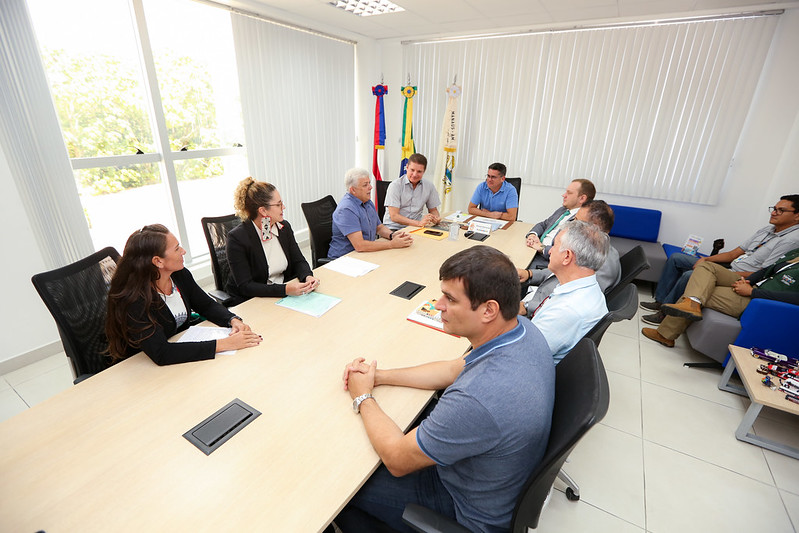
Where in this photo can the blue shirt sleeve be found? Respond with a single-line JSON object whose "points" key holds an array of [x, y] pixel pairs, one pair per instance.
{"points": [[476, 196], [347, 220], [458, 428]]}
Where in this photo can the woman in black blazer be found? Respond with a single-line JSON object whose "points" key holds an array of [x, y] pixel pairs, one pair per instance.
{"points": [[262, 252], [151, 298]]}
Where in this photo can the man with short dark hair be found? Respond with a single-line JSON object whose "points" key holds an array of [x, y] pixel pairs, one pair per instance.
{"points": [[540, 238], [495, 198], [407, 197], [761, 249], [470, 457], [538, 284], [577, 303], [716, 287]]}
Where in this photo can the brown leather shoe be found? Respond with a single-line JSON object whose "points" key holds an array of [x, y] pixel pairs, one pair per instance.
{"points": [[652, 333], [684, 308]]}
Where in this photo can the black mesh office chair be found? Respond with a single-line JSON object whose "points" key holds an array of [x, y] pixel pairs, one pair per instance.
{"points": [[77, 295], [382, 187], [319, 215], [632, 263], [582, 397], [216, 230]]}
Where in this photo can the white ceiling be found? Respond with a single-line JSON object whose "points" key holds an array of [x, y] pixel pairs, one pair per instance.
{"points": [[431, 18]]}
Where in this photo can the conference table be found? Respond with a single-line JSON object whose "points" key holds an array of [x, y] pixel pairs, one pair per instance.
{"points": [[109, 454]]}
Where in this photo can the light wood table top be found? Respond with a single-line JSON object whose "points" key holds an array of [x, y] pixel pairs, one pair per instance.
{"points": [[108, 454]]}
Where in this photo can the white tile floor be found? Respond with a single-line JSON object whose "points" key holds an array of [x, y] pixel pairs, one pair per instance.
{"points": [[664, 459]]}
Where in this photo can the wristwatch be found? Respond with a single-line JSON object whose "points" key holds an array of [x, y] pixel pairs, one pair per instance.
{"points": [[356, 403], [234, 317]]}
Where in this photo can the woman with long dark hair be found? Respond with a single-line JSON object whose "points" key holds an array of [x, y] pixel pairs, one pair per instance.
{"points": [[263, 254], [151, 298]]}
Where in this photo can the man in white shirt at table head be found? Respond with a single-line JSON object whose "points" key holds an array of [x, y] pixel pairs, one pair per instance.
{"points": [[407, 198], [577, 303], [469, 458]]}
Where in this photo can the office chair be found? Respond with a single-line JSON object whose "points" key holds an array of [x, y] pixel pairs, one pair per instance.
{"points": [[382, 187], [598, 331], [216, 230], [319, 215], [623, 307], [517, 184], [582, 397], [77, 295], [632, 263], [624, 304]]}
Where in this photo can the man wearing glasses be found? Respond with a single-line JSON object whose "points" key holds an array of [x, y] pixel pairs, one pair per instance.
{"points": [[716, 287], [761, 249], [494, 198]]}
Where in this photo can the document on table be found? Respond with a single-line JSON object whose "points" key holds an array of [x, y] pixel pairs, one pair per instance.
{"points": [[494, 223], [314, 303], [206, 333], [350, 266], [458, 217]]}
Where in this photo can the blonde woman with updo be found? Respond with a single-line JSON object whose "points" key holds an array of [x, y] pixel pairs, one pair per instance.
{"points": [[262, 252]]}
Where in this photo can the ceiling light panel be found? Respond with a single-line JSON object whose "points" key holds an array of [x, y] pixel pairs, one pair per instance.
{"points": [[367, 8]]}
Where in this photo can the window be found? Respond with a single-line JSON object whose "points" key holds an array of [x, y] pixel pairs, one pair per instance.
{"points": [[149, 110]]}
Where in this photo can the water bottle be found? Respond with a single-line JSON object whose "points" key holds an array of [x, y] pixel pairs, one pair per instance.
{"points": [[453, 231]]}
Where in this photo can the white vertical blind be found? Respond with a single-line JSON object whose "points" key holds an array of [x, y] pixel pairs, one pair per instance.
{"points": [[299, 110], [31, 139], [650, 111]]}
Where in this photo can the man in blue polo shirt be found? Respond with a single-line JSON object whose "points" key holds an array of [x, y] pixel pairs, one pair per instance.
{"points": [[470, 457], [495, 198], [356, 225]]}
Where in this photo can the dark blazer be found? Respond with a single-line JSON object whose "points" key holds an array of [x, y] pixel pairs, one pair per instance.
{"points": [[249, 272], [153, 339], [544, 225]]}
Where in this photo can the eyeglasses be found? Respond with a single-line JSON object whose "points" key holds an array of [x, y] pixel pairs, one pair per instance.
{"points": [[779, 210], [490, 177], [281, 204]]}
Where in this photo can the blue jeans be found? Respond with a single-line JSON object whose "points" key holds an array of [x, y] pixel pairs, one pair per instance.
{"points": [[674, 279], [383, 497]]}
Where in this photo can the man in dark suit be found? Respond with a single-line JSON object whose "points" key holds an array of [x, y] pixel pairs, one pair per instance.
{"points": [[541, 237]]}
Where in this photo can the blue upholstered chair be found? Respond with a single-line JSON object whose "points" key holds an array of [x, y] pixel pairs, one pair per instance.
{"points": [[764, 323]]}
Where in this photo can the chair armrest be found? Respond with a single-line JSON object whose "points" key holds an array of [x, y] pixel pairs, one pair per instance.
{"points": [[424, 520], [82, 377], [221, 297], [323, 261]]}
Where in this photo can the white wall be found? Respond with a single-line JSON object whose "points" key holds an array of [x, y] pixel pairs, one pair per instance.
{"points": [[26, 324], [764, 167]]}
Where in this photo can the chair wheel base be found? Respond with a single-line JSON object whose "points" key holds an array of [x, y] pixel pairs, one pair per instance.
{"points": [[571, 496]]}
